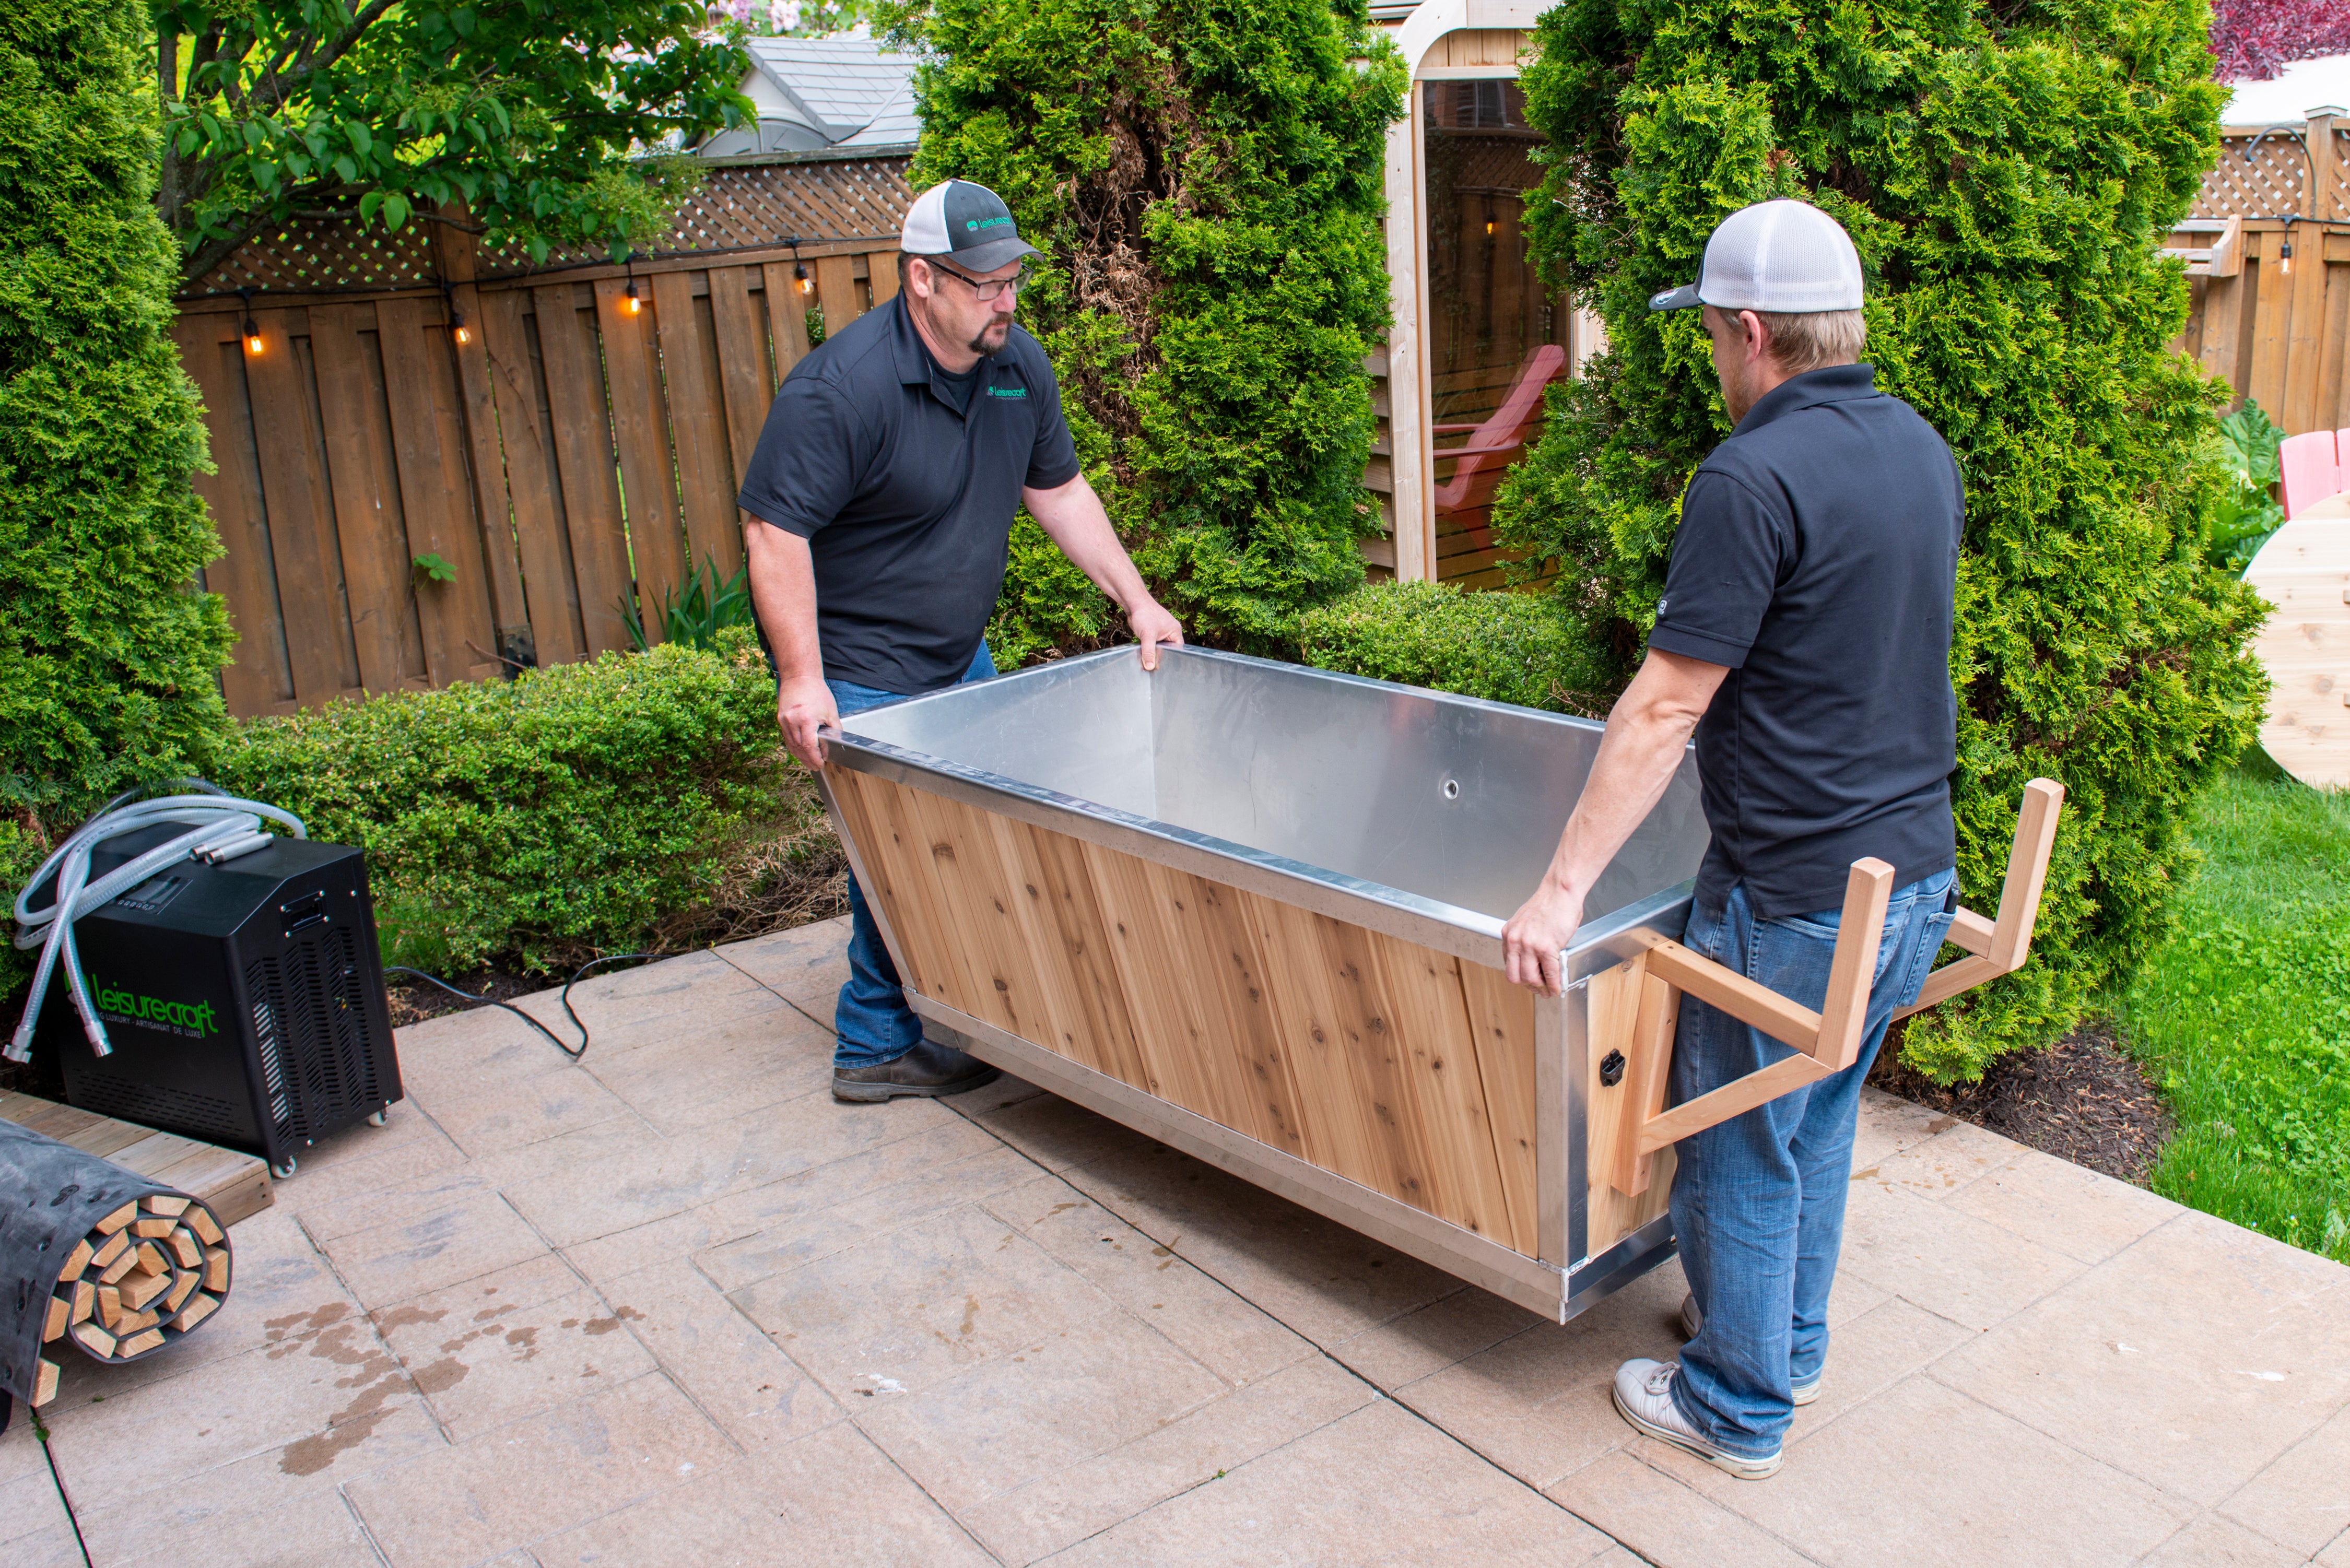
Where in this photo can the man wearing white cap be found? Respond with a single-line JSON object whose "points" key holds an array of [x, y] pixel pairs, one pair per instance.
{"points": [[1804, 636], [892, 465]]}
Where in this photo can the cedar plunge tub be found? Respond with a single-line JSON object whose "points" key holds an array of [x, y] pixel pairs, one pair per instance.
{"points": [[1253, 910]]}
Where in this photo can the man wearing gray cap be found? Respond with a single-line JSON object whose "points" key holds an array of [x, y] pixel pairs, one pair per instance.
{"points": [[885, 479], [1804, 636]]}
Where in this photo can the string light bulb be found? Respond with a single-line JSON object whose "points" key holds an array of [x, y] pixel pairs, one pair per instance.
{"points": [[632, 302], [251, 337], [800, 276], [2284, 258], [458, 329], [1491, 228]]}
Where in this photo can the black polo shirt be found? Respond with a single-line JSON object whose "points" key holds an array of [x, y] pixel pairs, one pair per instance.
{"points": [[906, 491], [1817, 557]]}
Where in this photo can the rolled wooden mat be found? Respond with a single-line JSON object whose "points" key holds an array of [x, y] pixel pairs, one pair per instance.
{"points": [[94, 1256]]}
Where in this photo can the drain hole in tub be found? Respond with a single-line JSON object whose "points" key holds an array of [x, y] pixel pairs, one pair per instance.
{"points": [[1452, 789]]}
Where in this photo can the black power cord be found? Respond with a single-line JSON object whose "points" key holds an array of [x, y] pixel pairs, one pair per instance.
{"points": [[576, 976]]}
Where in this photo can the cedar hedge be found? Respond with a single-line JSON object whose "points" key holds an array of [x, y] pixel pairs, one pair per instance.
{"points": [[106, 655], [2005, 170], [1503, 646], [1205, 182]]}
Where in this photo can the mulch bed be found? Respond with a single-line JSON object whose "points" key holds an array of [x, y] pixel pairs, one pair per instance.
{"points": [[2082, 1099], [413, 1001]]}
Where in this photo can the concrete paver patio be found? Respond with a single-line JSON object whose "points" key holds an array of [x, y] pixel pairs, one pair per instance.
{"points": [[672, 1304]]}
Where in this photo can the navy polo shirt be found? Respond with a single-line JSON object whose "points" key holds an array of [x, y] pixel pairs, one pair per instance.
{"points": [[904, 483], [1817, 557]]}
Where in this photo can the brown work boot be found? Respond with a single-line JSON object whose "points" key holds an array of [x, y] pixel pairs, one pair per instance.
{"points": [[927, 1069]]}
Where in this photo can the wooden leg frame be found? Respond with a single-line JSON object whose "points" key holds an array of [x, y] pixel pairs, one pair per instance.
{"points": [[1827, 1041]]}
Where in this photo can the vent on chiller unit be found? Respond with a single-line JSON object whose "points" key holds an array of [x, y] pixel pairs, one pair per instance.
{"points": [[263, 984], [310, 1023]]}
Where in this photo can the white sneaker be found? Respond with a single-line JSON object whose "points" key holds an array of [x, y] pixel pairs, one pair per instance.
{"points": [[1644, 1397], [1693, 1320]]}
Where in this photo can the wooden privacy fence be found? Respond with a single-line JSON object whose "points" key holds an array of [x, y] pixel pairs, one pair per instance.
{"points": [[567, 442], [2269, 277]]}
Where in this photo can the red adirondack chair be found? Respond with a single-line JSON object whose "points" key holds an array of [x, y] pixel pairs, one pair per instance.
{"points": [[1497, 442]]}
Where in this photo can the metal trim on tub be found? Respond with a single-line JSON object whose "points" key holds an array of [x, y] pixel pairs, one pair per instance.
{"points": [[1596, 1279], [1512, 1275]]}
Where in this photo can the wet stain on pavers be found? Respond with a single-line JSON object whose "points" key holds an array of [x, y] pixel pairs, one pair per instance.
{"points": [[309, 1456], [442, 1375]]}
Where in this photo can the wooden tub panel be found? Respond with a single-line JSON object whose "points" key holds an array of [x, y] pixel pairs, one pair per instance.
{"points": [[1061, 920], [891, 881], [1006, 974], [1196, 1035], [1350, 1049], [1443, 1075], [1502, 1026], [1358, 1120]]}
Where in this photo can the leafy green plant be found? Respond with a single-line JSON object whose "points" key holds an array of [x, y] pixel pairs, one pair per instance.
{"points": [[1206, 181], [2006, 170], [695, 612], [2243, 1016], [2247, 512], [575, 810], [109, 655], [531, 112], [1503, 646], [435, 569]]}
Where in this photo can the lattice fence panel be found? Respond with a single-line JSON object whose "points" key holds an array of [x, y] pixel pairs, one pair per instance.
{"points": [[323, 255], [763, 203], [2266, 185], [738, 204]]}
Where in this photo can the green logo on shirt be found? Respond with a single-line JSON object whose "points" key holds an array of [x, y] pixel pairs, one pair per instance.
{"points": [[1007, 391]]}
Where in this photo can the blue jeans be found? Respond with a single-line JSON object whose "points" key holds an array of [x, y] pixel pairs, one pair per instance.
{"points": [[872, 1018], [1758, 1201]]}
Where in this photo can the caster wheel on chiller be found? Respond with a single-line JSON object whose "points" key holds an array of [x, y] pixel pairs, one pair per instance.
{"points": [[380, 1117], [282, 1171]]}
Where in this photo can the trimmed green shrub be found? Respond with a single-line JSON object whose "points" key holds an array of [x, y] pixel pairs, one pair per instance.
{"points": [[575, 810], [107, 658], [1503, 646], [1206, 183], [2005, 170]]}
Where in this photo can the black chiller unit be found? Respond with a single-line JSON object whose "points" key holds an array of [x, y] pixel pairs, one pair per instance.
{"points": [[244, 1001]]}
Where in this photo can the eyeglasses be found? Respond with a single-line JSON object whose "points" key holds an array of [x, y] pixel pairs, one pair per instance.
{"points": [[992, 290]]}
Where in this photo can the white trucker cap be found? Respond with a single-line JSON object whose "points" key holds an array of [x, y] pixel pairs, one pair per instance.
{"points": [[967, 224], [1779, 256]]}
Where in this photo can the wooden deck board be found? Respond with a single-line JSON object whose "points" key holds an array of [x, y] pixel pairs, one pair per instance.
{"points": [[233, 1184]]}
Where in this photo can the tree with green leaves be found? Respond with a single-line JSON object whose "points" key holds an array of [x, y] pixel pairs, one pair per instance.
{"points": [[108, 657], [2006, 168], [1205, 180], [534, 114]]}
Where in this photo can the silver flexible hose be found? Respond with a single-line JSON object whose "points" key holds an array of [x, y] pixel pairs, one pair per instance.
{"points": [[220, 827]]}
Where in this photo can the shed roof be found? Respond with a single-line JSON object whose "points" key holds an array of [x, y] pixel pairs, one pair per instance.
{"points": [[848, 89]]}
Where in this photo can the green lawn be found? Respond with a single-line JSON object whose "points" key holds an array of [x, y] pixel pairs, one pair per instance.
{"points": [[2243, 1016]]}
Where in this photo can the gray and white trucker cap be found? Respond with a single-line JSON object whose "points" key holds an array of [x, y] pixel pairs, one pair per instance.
{"points": [[966, 223], [1778, 256]]}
